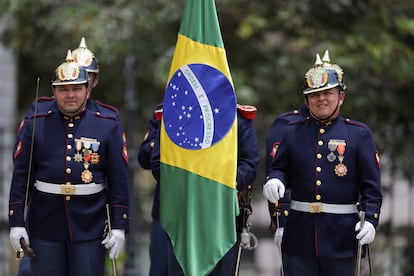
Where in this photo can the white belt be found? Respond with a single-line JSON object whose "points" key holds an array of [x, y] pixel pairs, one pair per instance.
{"points": [[69, 189], [319, 207]]}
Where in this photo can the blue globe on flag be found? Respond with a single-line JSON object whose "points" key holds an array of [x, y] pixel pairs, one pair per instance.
{"points": [[199, 106]]}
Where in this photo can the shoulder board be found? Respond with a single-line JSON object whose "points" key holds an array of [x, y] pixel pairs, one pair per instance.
{"points": [[40, 114], [297, 122], [105, 116], [42, 105], [247, 111], [291, 113], [158, 114], [354, 123], [158, 111], [45, 99], [107, 106]]}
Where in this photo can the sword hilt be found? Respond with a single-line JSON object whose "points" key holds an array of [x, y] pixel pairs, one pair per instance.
{"points": [[25, 249]]}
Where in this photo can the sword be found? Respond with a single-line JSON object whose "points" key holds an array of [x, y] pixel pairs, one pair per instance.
{"points": [[359, 252], [25, 248], [245, 235], [110, 233], [277, 226]]}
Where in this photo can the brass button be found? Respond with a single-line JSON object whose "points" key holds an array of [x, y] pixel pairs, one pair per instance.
{"points": [[376, 216], [321, 130], [318, 197], [152, 144], [319, 156], [68, 170], [318, 169], [67, 198], [11, 212], [124, 216], [318, 182], [68, 158], [70, 135], [69, 147], [71, 125], [320, 143], [286, 213]]}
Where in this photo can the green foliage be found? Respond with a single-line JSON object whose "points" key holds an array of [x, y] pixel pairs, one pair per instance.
{"points": [[269, 47]]}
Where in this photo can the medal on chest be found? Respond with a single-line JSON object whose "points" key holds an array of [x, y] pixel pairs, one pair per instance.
{"points": [[87, 152], [341, 169], [339, 146]]}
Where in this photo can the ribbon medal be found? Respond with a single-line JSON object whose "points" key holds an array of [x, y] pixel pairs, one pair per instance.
{"points": [[339, 146], [341, 169], [87, 151]]}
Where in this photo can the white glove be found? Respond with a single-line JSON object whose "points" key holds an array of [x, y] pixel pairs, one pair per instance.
{"points": [[16, 233], [278, 236], [114, 242], [367, 234], [273, 190]]}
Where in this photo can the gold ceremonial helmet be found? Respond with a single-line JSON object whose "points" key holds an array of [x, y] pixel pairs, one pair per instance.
{"points": [[85, 58], [323, 75], [69, 72]]}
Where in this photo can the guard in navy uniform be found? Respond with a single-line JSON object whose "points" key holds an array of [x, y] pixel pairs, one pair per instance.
{"points": [[279, 211], [248, 160], [158, 237], [79, 166], [330, 163]]}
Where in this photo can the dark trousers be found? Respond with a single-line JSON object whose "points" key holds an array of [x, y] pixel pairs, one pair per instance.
{"points": [[24, 266], [317, 266], [59, 258], [158, 250]]}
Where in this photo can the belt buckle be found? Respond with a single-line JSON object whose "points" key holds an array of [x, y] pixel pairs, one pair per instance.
{"points": [[315, 207], [67, 189]]}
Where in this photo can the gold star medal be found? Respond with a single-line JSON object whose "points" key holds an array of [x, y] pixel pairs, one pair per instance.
{"points": [[86, 174]]}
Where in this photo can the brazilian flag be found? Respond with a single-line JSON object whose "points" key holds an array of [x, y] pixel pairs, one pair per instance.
{"points": [[198, 144]]}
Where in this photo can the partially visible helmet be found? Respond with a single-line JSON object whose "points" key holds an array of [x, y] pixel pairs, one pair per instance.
{"points": [[69, 72], [323, 75], [85, 58]]}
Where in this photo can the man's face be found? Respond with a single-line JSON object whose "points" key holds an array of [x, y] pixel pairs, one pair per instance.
{"points": [[71, 98], [322, 104]]}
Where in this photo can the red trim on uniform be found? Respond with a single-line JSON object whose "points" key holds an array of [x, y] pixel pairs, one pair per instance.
{"points": [[296, 122], [40, 115], [377, 158], [247, 111], [273, 152], [354, 123], [45, 99], [315, 237], [158, 114], [18, 150], [97, 114], [107, 106], [125, 153], [21, 125]]}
